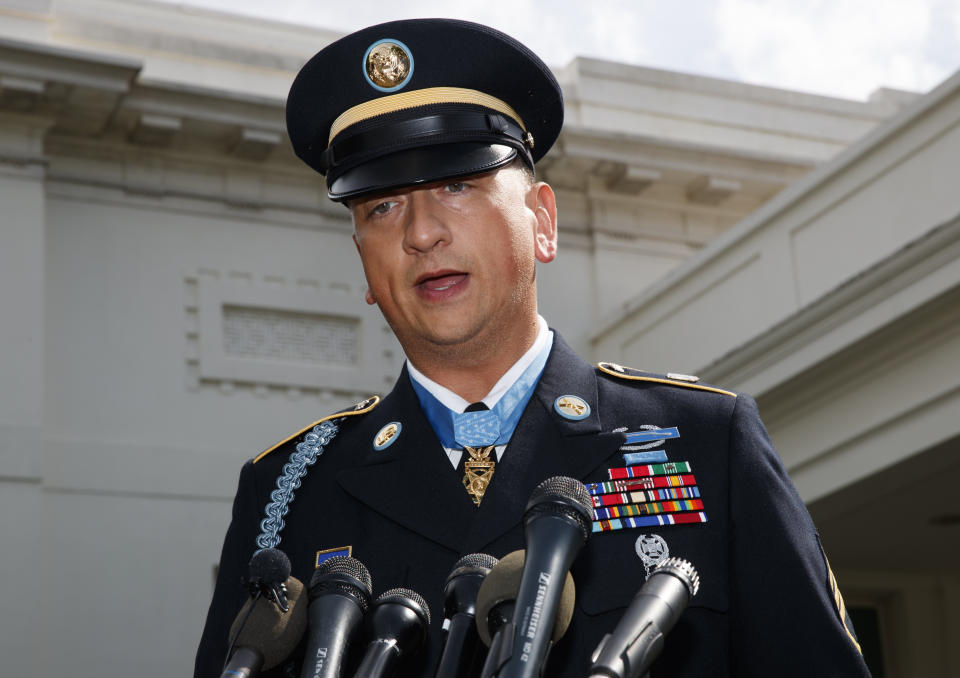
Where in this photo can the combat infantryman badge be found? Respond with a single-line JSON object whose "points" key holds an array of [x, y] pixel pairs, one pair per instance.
{"points": [[478, 471]]}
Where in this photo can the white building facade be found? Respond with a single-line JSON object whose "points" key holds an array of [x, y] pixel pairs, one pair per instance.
{"points": [[178, 294]]}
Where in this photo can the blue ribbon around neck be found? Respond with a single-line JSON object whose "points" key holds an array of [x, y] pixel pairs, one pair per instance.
{"points": [[487, 427]]}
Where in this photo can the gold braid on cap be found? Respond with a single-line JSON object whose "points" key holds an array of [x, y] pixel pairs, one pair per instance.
{"points": [[420, 97]]}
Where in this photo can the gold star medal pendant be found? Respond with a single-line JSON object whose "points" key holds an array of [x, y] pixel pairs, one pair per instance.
{"points": [[478, 471]]}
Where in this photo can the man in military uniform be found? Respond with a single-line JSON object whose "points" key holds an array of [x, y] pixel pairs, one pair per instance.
{"points": [[428, 130]]}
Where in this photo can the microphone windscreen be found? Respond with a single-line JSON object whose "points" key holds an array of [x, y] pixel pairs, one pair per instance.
{"points": [[271, 631], [405, 597], [270, 566], [474, 563], [561, 495], [502, 585], [345, 575]]}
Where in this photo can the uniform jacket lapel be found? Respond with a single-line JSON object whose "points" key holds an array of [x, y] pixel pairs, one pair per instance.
{"points": [[545, 444], [411, 482]]}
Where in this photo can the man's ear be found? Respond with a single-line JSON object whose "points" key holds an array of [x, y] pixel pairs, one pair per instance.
{"points": [[545, 211], [370, 299]]}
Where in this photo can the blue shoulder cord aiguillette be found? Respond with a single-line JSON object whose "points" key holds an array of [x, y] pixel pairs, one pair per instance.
{"points": [[294, 470]]}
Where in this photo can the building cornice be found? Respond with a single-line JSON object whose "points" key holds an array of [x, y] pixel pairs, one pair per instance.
{"points": [[877, 298], [776, 208]]}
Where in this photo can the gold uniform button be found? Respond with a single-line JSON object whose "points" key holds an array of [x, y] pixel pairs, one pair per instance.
{"points": [[690, 378]]}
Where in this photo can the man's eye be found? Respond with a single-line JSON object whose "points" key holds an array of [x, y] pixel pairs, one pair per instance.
{"points": [[455, 187], [383, 207]]}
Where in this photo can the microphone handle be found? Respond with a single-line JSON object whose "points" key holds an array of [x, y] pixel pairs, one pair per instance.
{"points": [[379, 660], [463, 651], [332, 620], [638, 638], [245, 662], [551, 550], [501, 648]]}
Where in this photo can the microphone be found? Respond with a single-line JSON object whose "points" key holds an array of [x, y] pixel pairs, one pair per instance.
{"points": [[638, 638], [556, 526], [265, 634], [339, 596], [496, 601], [462, 655], [269, 569], [398, 622]]}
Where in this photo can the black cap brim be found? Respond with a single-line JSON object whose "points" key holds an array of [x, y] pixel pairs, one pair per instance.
{"points": [[423, 165]]}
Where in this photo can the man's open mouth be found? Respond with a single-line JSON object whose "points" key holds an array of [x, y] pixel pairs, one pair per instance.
{"points": [[438, 282]]}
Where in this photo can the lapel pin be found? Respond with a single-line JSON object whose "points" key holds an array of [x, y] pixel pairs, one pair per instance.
{"points": [[387, 435], [572, 407]]}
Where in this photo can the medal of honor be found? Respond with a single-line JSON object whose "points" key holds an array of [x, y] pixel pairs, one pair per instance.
{"points": [[478, 471]]}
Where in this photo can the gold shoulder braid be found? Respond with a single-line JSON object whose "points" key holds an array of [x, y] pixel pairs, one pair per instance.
{"points": [[671, 379]]}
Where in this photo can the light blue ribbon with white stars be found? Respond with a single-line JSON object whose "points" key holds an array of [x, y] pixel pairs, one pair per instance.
{"points": [[487, 427]]}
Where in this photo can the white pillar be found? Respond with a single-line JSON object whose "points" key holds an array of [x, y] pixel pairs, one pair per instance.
{"points": [[22, 226]]}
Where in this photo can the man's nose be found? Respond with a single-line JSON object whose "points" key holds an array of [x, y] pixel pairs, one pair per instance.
{"points": [[426, 226]]}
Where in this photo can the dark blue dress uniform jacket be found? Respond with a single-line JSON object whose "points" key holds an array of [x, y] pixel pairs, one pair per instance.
{"points": [[766, 606]]}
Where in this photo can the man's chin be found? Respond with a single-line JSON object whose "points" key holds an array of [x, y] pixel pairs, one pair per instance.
{"points": [[449, 336]]}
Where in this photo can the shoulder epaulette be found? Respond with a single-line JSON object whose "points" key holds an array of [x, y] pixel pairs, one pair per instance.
{"points": [[362, 407], [671, 379]]}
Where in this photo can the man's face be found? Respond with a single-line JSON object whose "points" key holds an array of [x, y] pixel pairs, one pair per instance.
{"points": [[452, 263]]}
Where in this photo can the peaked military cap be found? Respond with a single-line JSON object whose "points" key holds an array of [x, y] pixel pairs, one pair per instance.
{"points": [[416, 101]]}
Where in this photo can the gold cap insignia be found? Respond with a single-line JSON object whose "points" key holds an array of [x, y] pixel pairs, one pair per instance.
{"points": [[386, 435], [388, 65]]}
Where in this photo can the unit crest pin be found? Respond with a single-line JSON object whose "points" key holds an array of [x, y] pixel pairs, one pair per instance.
{"points": [[572, 407], [386, 436]]}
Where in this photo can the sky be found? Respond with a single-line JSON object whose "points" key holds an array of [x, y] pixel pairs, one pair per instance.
{"points": [[842, 48]]}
